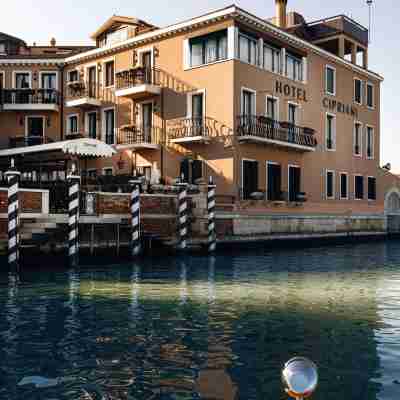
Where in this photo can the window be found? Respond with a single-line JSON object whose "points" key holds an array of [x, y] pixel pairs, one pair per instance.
{"points": [[109, 73], [108, 171], [248, 102], [48, 80], [272, 108], [91, 121], [330, 185], [249, 178], [247, 49], [358, 91], [22, 80], [92, 173], [272, 58], [2, 48], [293, 113], [344, 186], [109, 124], [294, 68], [116, 37], [73, 76], [370, 95], [370, 142], [357, 139], [274, 190], [192, 170], [371, 188], [330, 80], [330, 132], [208, 49], [358, 187], [294, 182], [72, 124]]}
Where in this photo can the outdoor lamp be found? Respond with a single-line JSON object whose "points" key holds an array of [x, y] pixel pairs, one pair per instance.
{"points": [[300, 377]]}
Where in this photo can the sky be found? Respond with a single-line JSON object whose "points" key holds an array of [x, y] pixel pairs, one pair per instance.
{"points": [[72, 22]]}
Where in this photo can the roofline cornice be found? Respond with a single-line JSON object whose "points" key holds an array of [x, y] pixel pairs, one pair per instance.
{"points": [[30, 61], [220, 15]]}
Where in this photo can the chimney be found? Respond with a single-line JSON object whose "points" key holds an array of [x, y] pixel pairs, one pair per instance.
{"points": [[53, 42], [280, 19]]}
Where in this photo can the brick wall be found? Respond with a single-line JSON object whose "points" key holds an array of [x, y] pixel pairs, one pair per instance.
{"points": [[31, 202]]}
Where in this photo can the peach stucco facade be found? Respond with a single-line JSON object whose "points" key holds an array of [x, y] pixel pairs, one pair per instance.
{"points": [[228, 134]]}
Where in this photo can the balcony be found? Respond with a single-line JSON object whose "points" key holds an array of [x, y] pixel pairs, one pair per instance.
{"points": [[24, 141], [138, 137], [189, 130], [83, 94], [260, 129], [30, 99], [138, 83]]}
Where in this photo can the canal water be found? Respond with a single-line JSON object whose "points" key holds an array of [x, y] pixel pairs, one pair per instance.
{"points": [[205, 328]]}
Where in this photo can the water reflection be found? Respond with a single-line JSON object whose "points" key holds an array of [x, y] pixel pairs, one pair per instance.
{"points": [[206, 328]]}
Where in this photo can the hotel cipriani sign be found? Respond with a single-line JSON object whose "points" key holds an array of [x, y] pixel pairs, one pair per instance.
{"points": [[339, 107]]}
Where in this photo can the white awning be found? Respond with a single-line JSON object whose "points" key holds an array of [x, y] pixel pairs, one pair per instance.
{"points": [[79, 147]]}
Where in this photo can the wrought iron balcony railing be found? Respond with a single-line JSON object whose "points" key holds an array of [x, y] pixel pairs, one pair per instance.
{"points": [[137, 135], [186, 128], [30, 96], [138, 76], [24, 141], [265, 128]]}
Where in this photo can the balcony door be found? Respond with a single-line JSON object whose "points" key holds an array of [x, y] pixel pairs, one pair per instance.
{"points": [[274, 172], [294, 182], [92, 125], [147, 121], [198, 113], [34, 130], [249, 178], [92, 81], [147, 66]]}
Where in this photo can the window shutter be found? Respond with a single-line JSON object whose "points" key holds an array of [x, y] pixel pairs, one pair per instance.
{"points": [[186, 54], [305, 69]]}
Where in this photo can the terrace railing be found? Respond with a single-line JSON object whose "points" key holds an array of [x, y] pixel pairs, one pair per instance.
{"points": [[30, 96], [189, 127], [135, 135], [266, 128]]}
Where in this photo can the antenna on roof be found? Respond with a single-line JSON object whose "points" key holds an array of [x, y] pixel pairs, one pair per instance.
{"points": [[369, 3]]}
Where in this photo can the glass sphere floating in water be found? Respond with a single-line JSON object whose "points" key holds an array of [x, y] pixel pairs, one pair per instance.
{"points": [[300, 377]]}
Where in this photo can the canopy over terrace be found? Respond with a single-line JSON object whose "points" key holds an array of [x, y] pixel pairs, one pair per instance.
{"points": [[54, 156]]}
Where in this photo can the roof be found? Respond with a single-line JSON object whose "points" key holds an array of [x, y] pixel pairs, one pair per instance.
{"points": [[219, 15], [5, 36], [116, 19], [80, 147]]}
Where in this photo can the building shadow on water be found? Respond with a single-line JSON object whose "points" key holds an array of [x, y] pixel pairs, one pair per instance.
{"points": [[196, 328]]}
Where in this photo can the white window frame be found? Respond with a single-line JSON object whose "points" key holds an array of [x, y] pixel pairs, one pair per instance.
{"points": [[359, 155], [333, 197], [376, 197], [103, 124], [14, 78], [326, 80], [372, 142], [69, 116], [340, 186], [245, 89], [298, 112], [87, 121], [148, 49], [354, 91], [256, 63], [266, 175], [107, 168], [354, 192], [48, 72], [333, 131], [189, 113], [242, 169], [86, 73], [269, 96], [103, 68], [139, 119], [373, 95], [43, 117], [73, 70], [288, 180]]}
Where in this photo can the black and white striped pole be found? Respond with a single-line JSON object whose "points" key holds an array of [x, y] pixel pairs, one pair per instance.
{"points": [[13, 217], [73, 180], [135, 213], [212, 237], [182, 214]]}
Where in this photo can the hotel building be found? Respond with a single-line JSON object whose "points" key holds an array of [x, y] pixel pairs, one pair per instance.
{"points": [[279, 109]]}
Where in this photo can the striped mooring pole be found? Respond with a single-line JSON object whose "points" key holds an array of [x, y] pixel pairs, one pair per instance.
{"points": [[135, 213], [73, 221], [13, 217], [182, 214], [212, 237]]}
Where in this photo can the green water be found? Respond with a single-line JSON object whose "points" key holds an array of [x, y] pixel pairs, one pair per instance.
{"points": [[205, 328]]}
